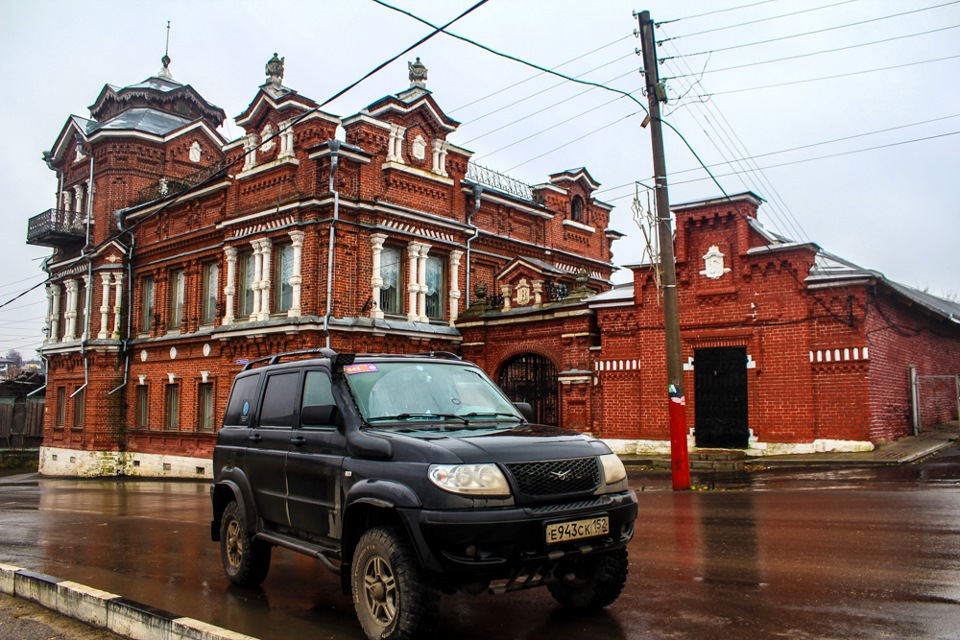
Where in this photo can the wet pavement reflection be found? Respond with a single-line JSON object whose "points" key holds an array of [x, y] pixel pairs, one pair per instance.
{"points": [[854, 553]]}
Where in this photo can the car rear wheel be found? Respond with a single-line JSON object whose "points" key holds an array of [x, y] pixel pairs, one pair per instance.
{"points": [[391, 596], [245, 561], [592, 582]]}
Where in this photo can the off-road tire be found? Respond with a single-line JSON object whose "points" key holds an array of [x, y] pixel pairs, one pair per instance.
{"points": [[592, 582], [390, 594], [245, 561]]}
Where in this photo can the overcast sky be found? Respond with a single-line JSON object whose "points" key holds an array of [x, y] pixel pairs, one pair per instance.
{"points": [[850, 109]]}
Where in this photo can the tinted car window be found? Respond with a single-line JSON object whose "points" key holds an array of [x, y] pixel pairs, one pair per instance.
{"points": [[316, 389], [242, 401], [280, 400]]}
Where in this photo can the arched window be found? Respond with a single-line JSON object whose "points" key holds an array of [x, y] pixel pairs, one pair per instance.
{"points": [[576, 209]]}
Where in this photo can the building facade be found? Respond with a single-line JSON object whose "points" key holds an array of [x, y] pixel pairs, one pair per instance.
{"points": [[179, 256]]}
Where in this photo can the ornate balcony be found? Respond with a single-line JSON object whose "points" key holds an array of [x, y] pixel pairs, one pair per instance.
{"points": [[57, 228]]}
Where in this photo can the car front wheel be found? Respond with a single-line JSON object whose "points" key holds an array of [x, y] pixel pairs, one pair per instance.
{"points": [[392, 599]]}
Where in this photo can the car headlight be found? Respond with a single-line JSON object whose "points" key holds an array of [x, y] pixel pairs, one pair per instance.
{"points": [[613, 470], [470, 479]]}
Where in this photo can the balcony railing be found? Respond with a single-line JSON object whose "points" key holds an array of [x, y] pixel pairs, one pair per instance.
{"points": [[165, 187], [498, 181], [57, 228]]}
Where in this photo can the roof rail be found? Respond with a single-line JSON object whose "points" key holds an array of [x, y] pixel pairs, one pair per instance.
{"points": [[325, 352]]}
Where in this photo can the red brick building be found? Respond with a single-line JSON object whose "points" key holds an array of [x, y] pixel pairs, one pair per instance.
{"points": [[178, 256]]}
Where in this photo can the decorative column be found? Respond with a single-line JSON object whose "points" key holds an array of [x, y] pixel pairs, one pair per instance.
{"points": [[265, 249], [250, 144], [46, 321], [79, 190], [117, 305], [454, 285], [85, 329], [439, 157], [376, 279], [422, 283], [66, 202], [413, 284], [70, 315], [296, 279], [104, 305], [230, 289], [286, 140], [395, 145], [507, 291], [55, 314], [257, 274]]}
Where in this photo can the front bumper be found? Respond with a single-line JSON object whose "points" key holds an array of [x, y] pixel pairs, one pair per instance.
{"points": [[493, 544]]}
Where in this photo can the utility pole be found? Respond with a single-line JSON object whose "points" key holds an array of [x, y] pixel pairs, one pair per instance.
{"points": [[679, 456]]}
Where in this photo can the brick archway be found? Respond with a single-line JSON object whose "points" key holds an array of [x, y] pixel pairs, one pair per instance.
{"points": [[531, 377]]}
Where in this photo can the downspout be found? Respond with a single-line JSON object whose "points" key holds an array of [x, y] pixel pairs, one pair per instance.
{"points": [[83, 252], [477, 192], [334, 145]]}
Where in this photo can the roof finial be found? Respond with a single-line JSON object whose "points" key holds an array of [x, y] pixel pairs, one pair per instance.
{"points": [[418, 74], [165, 60], [274, 71]]}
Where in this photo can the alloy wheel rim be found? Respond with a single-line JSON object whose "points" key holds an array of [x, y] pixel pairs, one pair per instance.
{"points": [[234, 550], [380, 590]]}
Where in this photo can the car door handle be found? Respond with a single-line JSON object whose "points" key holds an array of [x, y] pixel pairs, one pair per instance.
{"points": [[255, 437], [298, 441]]}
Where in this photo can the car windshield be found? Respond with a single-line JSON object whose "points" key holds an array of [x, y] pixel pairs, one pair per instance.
{"points": [[428, 392]]}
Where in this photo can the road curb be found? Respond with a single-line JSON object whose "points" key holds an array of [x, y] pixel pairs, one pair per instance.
{"points": [[107, 610]]}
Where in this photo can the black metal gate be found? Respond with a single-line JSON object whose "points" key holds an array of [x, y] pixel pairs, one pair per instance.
{"points": [[720, 379], [532, 378]]}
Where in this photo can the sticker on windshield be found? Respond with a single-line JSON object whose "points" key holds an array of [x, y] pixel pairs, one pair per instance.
{"points": [[351, 369]]}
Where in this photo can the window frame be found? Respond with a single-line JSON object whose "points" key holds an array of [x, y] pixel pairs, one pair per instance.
{"points": [[440, 263], [210, 294], [396, 292], [245, 265], [171, 407], [60, 417], [281, 284], [206, 412], [176, 297], [79, 408], [147, 303], [141, 407]]}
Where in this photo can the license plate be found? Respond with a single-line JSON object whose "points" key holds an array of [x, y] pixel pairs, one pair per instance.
{"points": [[563, 531]]}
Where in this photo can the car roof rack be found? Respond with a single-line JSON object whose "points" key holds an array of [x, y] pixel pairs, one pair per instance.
{"points": [[446, 355], [337, 359]]}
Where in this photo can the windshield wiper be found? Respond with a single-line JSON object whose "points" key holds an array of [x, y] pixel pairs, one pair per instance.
{"points": [[491, 415], [417, 416]]}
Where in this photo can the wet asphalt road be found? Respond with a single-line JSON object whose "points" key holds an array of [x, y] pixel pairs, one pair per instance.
{"points": [[771, 554]]}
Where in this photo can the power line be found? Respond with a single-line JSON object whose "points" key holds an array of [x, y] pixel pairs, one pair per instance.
{"points": [[759, 20], [833, 77], [712, 13], [537, 75], [808, 54], [814, 32], [827, 156], [10, 284], [566, 144]]}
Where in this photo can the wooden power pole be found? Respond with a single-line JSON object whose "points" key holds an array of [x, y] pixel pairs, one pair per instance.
{"points": [[679, 456]]}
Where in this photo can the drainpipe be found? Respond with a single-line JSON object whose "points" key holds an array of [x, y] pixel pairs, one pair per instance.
{"points": [[477, 191], [83, 252], [334, 145]]}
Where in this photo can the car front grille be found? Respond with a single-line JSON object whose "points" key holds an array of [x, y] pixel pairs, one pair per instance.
{"points": [[556, 477]]}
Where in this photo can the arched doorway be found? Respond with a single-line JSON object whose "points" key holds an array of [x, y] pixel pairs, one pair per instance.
{"points": [[532, 378]]}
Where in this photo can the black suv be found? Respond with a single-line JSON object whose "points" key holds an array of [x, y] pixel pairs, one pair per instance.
{"points": [[411, 476]]}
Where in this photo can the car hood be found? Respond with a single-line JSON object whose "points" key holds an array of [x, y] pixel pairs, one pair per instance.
{"points": [[523, 444]]}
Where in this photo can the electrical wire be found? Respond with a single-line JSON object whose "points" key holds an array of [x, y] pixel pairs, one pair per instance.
{"points": [[718, 11], [815, 32], [833, 77], [759, 20], [808, 54], [537, 75]]}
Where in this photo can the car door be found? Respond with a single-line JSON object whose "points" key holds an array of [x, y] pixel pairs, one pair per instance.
{"points": [[269, 443], [315, 459]]}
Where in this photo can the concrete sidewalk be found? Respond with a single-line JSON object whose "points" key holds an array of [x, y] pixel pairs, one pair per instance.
{"points": [[903, 451]]}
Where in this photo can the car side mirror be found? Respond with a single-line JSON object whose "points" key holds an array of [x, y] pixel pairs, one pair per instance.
{"points": [[525, 410], [318, 415]]}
